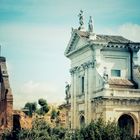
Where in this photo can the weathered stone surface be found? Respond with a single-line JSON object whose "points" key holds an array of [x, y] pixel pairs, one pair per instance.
{"points": [[104, 79], [6, 97]]}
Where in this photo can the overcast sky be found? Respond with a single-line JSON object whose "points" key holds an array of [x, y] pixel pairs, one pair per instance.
{"points": [[35, 33]]}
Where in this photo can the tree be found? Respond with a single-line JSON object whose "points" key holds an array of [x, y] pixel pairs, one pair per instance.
{"points": [[31, 108], [96, 130], [53, 114], [44, 108], [42, 102], [40, 131]]}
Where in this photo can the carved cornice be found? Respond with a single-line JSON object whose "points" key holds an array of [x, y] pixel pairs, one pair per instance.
{"points": [[88, 64], [116, 101], [73, 70], [133, 46], [85, 65]]}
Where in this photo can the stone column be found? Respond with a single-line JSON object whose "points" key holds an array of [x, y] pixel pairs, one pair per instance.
{"points": [[72, 99], [90, 90], [86, 94]]}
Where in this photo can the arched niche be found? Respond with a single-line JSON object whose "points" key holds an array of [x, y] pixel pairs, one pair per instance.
{"points": [[82, 120], [126, 122]]}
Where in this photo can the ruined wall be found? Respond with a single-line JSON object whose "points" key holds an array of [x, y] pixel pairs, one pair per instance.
{"points": [[6, 98]]}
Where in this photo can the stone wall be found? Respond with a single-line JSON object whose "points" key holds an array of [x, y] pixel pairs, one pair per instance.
{"points": [[6, 97]]}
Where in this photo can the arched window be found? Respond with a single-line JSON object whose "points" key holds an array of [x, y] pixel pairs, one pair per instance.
{"points": [[82, 84]]}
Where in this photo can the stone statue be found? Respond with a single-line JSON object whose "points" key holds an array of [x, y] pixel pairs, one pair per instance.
{"points": [[67, 88], [90, 25], [81, 22], [105, 75]]}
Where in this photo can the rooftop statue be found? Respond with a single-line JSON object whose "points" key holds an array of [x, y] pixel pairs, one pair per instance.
{"points": [[90, 25], [81, 22]]}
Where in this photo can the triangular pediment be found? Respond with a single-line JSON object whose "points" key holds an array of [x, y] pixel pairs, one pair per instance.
{"points": [[76, 42]]}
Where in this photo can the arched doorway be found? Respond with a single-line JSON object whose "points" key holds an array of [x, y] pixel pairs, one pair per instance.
{"points": [[16, 126], [82, 120], [126, 122]]}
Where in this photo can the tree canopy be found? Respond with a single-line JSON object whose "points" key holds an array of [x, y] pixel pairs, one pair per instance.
{"points": [[30, 108]]}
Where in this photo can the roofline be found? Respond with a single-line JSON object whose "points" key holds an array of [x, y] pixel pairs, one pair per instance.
{"points": [[79, 49], [128, 43]]}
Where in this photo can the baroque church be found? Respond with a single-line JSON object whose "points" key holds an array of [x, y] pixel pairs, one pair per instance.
{"points": [[105, 79], [6, 97]]}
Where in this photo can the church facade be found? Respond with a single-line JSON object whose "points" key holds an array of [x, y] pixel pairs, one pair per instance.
{"points": [[6, 97], [105, 79]]}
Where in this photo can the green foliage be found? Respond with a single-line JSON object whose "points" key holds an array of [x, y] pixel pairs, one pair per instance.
{"points": [[100, 130], [42, 131], [5, 135], [44, 107], [42, 102], [125, 134], [59, 133], [53, 114], [96, 130], [55, 117], [31, 107]]}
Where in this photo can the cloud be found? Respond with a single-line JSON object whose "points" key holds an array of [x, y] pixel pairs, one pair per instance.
{"points": [[128, 30], [32, 91]]}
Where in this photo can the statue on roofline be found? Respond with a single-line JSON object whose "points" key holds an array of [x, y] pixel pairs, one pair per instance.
{"points": [[81, 22], [90, 25]]}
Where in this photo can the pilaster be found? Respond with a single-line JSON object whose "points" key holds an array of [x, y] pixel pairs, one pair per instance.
{"points": [[86, 95], [72, 99], [88, 68], [90, 89], [74, 103]]}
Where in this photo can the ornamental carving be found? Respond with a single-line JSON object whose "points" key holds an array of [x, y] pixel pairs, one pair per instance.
{"points": [[86, 65], [73, 70], [81, 112]]}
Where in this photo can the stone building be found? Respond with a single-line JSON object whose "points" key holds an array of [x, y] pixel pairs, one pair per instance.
{"points": [[6, 98], [105, 79]]}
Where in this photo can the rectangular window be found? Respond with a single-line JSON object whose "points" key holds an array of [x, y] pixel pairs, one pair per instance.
{"points": [[82, 84], [116, 73]]}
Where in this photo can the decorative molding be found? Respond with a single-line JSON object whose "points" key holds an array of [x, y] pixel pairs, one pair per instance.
{"points": [[118, 101], [82, 112], [133, 46], [73, 70], [86, 65]]}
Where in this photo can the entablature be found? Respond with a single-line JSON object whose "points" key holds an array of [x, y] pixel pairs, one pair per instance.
{"points": [[107, 100], [83, 66]]}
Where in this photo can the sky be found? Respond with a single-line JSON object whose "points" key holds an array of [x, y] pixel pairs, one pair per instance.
{"points": [[34, 35]]}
